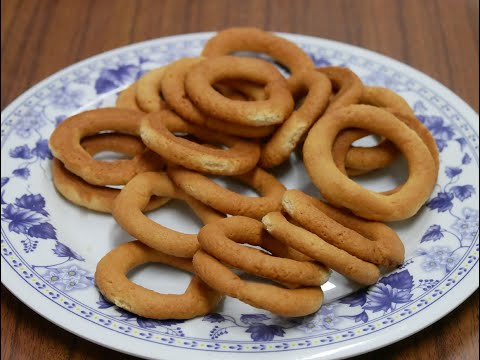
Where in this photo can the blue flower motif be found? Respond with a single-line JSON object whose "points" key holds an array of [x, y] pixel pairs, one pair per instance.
{"points": [[253, 318], [111, 79], [362, 317], [67, 97], [21, 152], [213, 318], [462, 142], [320, 61], [20, 219], [384, 297], [358, 298], [442, 133], [32, 202], [43, 231], [72, 272], [62, 250], [262, 332], [125, 314], [21, 172], [463, 192], [41, 150], [452, 171], [74, 284], [442, 202], [467, 226], [311, 326], [435, 258], [400, 280], [466, 159], [103, 303], [28, 123], [53, 277], [433, 233]]}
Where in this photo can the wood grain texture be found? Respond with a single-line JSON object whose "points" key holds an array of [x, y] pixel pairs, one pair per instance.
{"points": [[40, 37]]}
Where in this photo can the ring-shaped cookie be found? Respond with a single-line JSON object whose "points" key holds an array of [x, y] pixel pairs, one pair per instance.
{"points": [[274, 110], [98, 198], [157, 133], [222, 240], [308, 243], [294, 302], [342, 145], [371, 241], [366, 159], [128, 212], [65, 145], [347, 87], [127, 98], [341, 191], [149, 90], [229, 202], [292, 131], [110, 278], [252, 39], [173, 90]]}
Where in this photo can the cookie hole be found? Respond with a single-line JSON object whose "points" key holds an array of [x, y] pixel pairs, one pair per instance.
{"points": [[368, 141], [282, 68], [234, 185], [158, 277], [178, 216], [387, 178], [111, 156]]}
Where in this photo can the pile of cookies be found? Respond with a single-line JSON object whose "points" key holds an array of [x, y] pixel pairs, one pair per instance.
{"points": [[220, 114]]}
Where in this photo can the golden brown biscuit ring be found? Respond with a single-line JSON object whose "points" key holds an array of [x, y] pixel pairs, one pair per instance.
{"points": [[110, 277], [341, 191], [252, 39], [228, 202], [316, 248], [368, 240], [342, 144], [173, 90], [294, 302], [370, 158], [222, 240], [253, 92], [292, 131], [65, 145], [127, 98], [274, 110], [157, 133], [98, 198], [148, 90], [133, 198], [346, 85]]}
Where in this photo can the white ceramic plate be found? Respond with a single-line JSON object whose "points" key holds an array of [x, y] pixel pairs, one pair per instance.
{"points": [[50, 247]]}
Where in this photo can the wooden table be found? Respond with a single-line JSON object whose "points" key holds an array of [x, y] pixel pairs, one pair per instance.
{"points": [[40, 37]]}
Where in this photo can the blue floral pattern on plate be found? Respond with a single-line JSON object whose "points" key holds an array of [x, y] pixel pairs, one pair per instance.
{"points": [[445, 251]]}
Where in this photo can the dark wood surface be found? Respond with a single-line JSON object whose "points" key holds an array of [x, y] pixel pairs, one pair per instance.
{"points": [[40, 37]]}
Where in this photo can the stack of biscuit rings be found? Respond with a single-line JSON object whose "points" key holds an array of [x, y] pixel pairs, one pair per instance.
{"points": [[218, 242], [360, 160], [132, 200], [173, 90], [231, 115], [341, 191], [65, 146], [98, 198], [274, 110]]}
